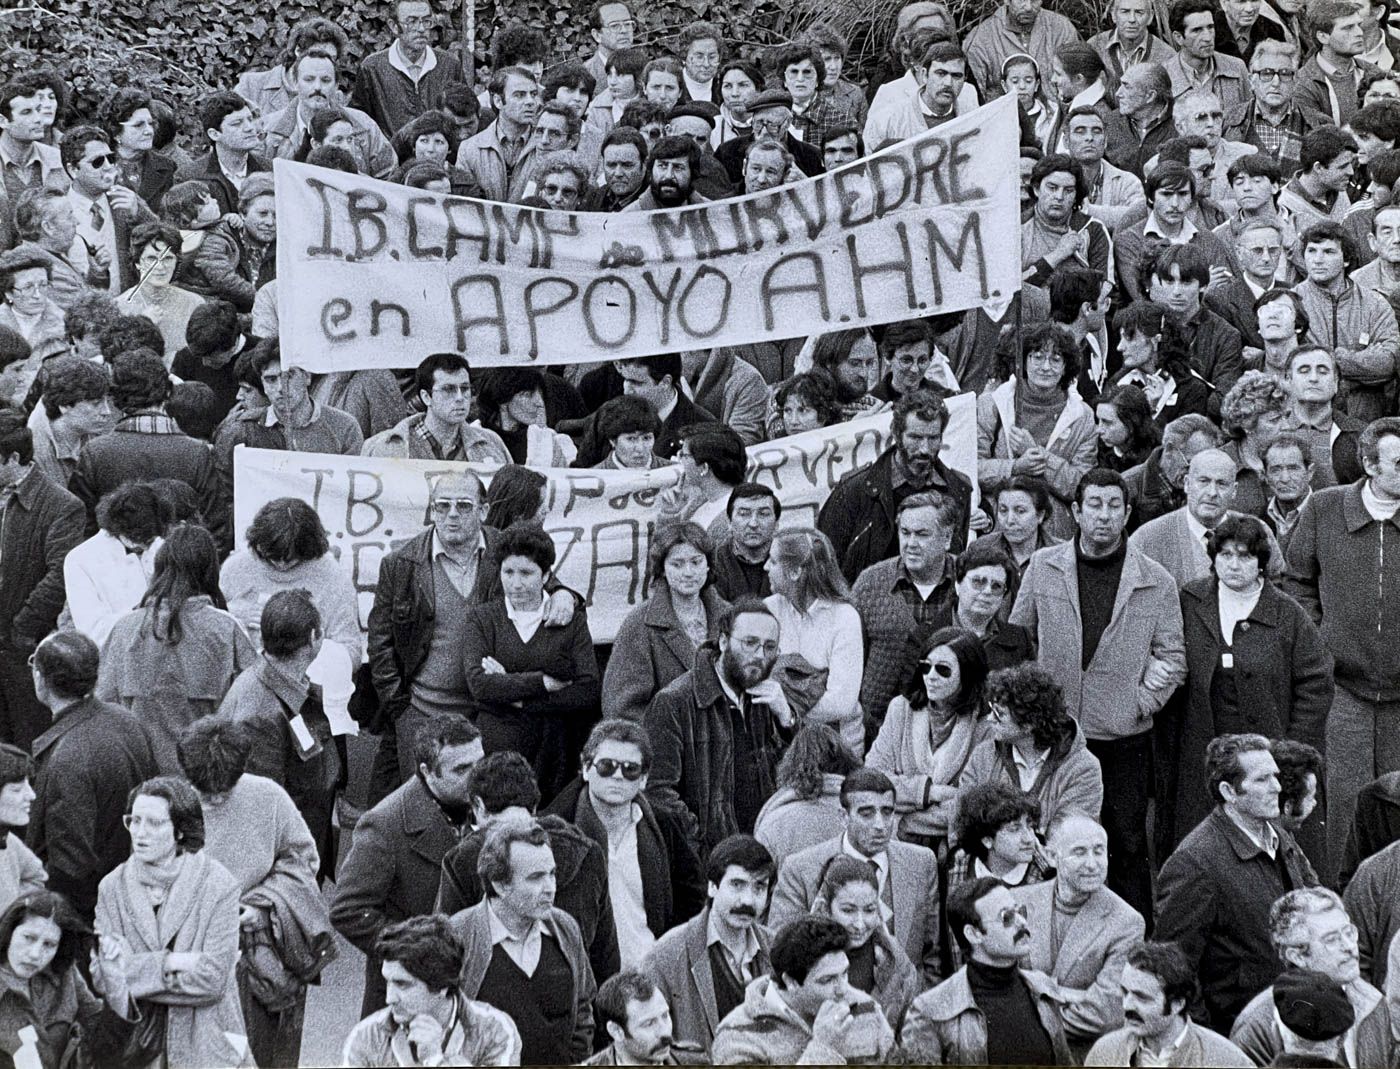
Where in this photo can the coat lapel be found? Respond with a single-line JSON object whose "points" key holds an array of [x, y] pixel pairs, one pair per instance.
{"points": [[700, 973]]}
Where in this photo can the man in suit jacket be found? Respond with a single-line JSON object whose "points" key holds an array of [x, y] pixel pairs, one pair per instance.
{"points": [[395, 858], [908, 874], [704, 965], [1096, 929], [103, 210], [1177, 541]]}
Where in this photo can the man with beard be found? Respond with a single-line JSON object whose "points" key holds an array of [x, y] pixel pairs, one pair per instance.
{"points": [[1158, 987], [289, 129], [638, 1018], [1080, 930], [1310, 929], [859, 514], [1057, 231], [624, 155], [397, 84], [523, 954], [704, 965], [717, 731], [670, 170], [1016, 26], [992, 1011]]}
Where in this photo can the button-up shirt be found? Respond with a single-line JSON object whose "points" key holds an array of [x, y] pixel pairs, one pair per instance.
{"points": [[1153, 229], [414, 72], [743, 969], [1141, 1056], [634, 938], [97, 229], [1267, 841], [40, 166], [462, 576], [524, 952], [1028, 769], [881, 863]]}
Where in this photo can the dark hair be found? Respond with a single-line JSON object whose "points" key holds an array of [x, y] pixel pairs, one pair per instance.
{"points": [[186, 566], [126, 334], [213, 327], [595, 13], [49, 906], [833, 348], [986, 808], [1179, 149], [868, 780], [1059, 163], [514, 496], [1301, 323], [23, 85], [144, 235], [422, 174], [1051, 337], [178, 502], [195, 409], [447, 363], [667, 537], [436, 733], [744, 67], [1180, 10], [69, 663], [70, 380], [1033, 487], [659, 365], [516, 43], [1255, 165], [571, 75], [16, 439], [528, 540], [216, 107], [1190, 262], [1148, 319], [743, 851], [120, 106], [289, 622], [1323, 144], [493, 863], [801, 944], [1289, 440], [962, 906], [984, 553], [719, 446], [15, 766], [631, 60], [134, 510], [745, 491], [625, 135], [616, 729], [1295, 760], [76, 141], [182, 201], [1072, 285], [1368, 444], [617, 992], [500, 385], [427, 947], [841, 870], [1323, 15], [1223, 760], [502, 780], [1248, 532], [213, 753], [923, 403], [628, 414], [1168, 177], [742, 606], [1329, 230], [186, 810], [971, 656], [87, 315], [1034, 700], [1135, 411], [139, 381], [287, 529], [430, 122], [673, 147], [312, 32], [332, 157], [642, 112], [816, 751], [1170, 966], [1080, 60]]}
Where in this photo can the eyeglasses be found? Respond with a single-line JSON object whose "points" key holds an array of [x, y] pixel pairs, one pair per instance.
{"points": [[1048, 359], [1270, 74], [30, 289], [132, 821], [940, 668], [445, 506], [620, 24], [981, 582], [1011, 913], [416, 23], [756, 644], [99, 161], [608, 768]]}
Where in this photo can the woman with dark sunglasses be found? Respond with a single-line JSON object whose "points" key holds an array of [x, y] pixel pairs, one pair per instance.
{"points": [[930, 731]]}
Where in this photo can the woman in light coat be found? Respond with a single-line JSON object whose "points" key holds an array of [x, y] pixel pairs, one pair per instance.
{"points": [[170, 914]]}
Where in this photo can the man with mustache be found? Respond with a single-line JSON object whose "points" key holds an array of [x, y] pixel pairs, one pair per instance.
{"points": [[1158, 985], [992, 1011], [671, 169], [717, 731], [637, 1016], [289, 129]]}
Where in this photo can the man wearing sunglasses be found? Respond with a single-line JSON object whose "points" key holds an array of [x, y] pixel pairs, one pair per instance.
{"points": [[992, 1011], [104, 210], [654, 876]]}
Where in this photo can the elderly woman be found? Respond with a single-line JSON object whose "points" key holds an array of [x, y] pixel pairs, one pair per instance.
{"points": [[820, 625], [46, 1006], [1255, 662], [172, 660], [1156, 360], [535, 688], [168, 917], [1125, 427], [1022, 512], [155, 249], [1035, 423], [516, 494], [852, 358], [984, 586], [849, 893], [20, 870], [657, 641], [628, 424], [930, 732], [806, 808], [1035, 745], [805, 402], [1253, 413], [253, 829]]}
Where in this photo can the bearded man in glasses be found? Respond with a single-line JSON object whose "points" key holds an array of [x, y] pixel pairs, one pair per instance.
{"points": [[654, 877]]}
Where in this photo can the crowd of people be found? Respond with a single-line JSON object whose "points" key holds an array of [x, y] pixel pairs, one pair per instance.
{"points": [[1088, 755]]}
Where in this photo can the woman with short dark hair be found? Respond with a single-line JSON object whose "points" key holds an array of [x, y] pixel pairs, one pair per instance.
{"points": [[21, 871], [168, 918], [535, 688]]}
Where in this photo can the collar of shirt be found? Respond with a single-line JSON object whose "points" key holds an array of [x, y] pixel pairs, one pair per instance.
{"points": [[899, 476], [1142, 1056], [664, 412], [1152, 228], [9, 161], [1297, 421], [1268, 842], [903, 578], [270, 418], [1378, 55], [526, 621], [1012, 878], [1196, 527], [1254, 288], [1136, 55], [697, 90], [291, 692], [1196, 79], [236, 177], [1086, 98], [413, 72], [437, 550], [70, 451], [1331, 70], [742, 968], [1019, 760], [929, 113], [525, 952], [881, 861]]}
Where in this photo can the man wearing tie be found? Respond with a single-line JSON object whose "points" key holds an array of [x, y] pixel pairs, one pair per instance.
{"points": [[103, 210]]}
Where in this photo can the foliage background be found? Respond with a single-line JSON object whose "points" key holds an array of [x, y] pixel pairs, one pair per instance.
{"points": [[180, 49]]}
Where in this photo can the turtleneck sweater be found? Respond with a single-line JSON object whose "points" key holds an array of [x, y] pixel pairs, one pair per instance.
{"points": [[1015, 1035]]}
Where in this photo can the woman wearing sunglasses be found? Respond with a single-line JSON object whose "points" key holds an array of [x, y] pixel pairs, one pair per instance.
{"points": [[1035, 745], [930, 732]]}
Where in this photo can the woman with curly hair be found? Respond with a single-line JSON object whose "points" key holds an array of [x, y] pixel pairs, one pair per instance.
{"points": [[1035, 745], [432, 138], [1156, 360], [805, 402], [806, 807], [1253, 413], [930, 731], [1035, 424], [657, 641], [1125, 428], [128, 116]]}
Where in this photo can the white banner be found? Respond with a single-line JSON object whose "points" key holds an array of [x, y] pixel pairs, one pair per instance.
{"points": [[601, 520], [374, 275]]}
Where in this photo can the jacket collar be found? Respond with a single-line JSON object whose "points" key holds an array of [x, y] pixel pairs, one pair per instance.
{"points": [[956, 998], [1244, 847], [1204, 596], [1354, 509], [290, 692], [74, 716]]}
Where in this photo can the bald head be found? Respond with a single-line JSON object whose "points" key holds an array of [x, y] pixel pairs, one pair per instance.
{"points": [[458, 508], [1079, 846], [1210, 486]]}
